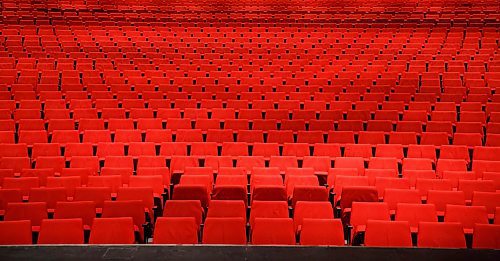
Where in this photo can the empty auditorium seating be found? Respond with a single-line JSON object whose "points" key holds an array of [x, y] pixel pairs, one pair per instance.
{"points": [[126, 120], [125, 208]]}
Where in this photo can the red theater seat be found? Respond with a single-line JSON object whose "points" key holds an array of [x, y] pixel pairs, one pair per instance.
{"points": [[319, 232], [268, 209], [486, 236], [15, 163], [227, 209], [394, 196], [184, 208], [228, 230], [273, 231], [48, 195], [387, 234], [468, 216], [144, 194], [311, 210], [15, 232], [61, 231], [187, 112], [23, 184], [118, 230], [175, 230], [441, 235], [422, 151], [363, 211], [470, 186], [443, 198], [84, 210], [34, 212], [300, 150], [488, 199]]}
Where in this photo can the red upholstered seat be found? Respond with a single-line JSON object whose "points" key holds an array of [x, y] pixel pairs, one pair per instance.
{"points": [[61, 231], [175, 230], [441, 235], [15, 232], [316, 232], [388, 234], [273, 231], [118, 230], [284, 112], [224, 230]]}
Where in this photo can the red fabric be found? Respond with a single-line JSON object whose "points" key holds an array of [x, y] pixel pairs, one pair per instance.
{"points": [[388, 234], [316, 232], [229, 230], [15, 232], [441, 235], [175, 230]]}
